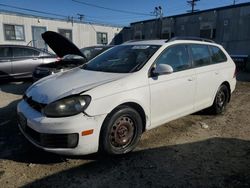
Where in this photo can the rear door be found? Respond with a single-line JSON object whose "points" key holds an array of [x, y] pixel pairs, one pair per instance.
{"points": [[172, 95], [208, 75], [24, 61], [5, 61]]}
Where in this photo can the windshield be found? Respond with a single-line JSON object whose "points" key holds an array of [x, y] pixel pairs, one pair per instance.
{"points": [[122, 59]]}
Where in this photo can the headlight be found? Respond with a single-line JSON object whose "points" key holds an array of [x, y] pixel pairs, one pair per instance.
{"points": [[68, 106]]}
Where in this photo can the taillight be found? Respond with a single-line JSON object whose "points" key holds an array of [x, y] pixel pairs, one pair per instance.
{"points": [[235, 73]]}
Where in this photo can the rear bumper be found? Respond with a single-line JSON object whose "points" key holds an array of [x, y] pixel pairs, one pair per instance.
{"points": [[233, 84]]}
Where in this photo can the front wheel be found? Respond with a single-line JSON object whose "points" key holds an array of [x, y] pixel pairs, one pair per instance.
{"points": [[121, 131], [221, 100]]}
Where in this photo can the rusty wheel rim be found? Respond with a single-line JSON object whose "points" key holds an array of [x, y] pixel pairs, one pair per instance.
{"points": [[122, 132]]}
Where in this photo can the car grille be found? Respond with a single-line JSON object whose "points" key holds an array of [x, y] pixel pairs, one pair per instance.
{"points": [[53, 140], [49, 140], [33, 104]]}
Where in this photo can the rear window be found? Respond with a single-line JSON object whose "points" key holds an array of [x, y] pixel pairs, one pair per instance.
{"points": [[201, 55], [25, 52], [217, 55]]}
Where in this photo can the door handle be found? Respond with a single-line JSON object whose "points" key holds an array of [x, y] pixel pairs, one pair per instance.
{"points": [[216, 72], [35, 58], [190, 79]]}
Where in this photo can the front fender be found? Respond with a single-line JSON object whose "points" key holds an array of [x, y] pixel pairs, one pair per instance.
{"points": [[105, 105]]}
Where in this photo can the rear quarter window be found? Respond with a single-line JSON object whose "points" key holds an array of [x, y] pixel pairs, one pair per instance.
{"points": [[218, 55]]}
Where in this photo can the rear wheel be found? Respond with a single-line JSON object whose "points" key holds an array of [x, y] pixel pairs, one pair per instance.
{"points": [[121, 131], [221, 100]]}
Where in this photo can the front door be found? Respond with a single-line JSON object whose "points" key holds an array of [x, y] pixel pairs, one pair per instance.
{"points": [[172, 95], [38, 42]]}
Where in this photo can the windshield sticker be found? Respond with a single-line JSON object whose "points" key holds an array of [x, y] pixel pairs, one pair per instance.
{"points": [[141, 47]]}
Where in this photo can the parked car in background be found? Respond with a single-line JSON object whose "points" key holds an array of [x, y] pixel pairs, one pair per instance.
{"points": [[18, 61], [107, 103], [70, 55]]}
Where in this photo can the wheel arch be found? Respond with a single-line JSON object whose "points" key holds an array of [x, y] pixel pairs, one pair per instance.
{"points": [[229, 89], [140, 110], [136, 107]]}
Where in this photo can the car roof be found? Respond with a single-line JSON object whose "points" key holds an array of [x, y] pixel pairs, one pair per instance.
{"points": [[17, 45], [161, 42]]}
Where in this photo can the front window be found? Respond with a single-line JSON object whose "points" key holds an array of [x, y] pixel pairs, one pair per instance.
{"points": [[122, 59], [176, 56], [14, 32]]}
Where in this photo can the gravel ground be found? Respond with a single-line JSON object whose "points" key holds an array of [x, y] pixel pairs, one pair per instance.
{"points": [[199, 150]]}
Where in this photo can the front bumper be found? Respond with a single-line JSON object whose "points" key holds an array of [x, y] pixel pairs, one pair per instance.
{"points": [[55, 134]]}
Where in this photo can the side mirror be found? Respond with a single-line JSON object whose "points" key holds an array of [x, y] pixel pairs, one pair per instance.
{"points": [[162, 69]]}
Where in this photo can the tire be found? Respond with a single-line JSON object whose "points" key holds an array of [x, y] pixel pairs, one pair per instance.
{"points": [[121, 131], [221, 99]]}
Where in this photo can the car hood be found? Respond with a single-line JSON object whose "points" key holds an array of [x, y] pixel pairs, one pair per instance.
{"points": [[68, 83], [60, 44]]}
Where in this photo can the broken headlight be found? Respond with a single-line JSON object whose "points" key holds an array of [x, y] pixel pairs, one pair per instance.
{"points": [[68, 106]]}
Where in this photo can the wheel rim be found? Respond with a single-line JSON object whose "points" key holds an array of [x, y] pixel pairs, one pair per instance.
{"points": [[221, 99], [122, 132]]}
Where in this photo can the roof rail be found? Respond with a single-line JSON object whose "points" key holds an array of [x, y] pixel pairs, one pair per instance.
{"points": [[190, 38], [138, 40]]}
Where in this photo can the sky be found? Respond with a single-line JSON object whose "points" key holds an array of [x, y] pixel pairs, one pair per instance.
{"points": [[117, 12]]}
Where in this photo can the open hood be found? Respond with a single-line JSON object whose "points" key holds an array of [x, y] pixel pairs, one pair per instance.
{"points": [[60, 44]]}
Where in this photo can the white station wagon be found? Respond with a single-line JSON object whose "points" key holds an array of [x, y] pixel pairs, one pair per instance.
{"points": [[108, 103]]}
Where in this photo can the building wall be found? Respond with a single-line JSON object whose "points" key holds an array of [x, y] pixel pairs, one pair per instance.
{"points": [[227, 26], [83, 34]]}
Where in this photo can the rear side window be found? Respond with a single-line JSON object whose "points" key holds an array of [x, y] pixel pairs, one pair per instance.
{"points": [[217, 55], [25, 52], [5, 52], [201, 55], [175, 56]]}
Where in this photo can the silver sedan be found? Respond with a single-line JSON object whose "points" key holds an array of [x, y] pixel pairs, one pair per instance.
{"points": [[17, 61]]}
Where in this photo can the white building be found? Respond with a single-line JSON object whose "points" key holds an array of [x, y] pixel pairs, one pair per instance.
{"points": [[26, 29]]}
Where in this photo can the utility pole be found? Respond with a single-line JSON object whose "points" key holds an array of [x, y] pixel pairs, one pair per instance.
{"points": [[235, 2], [80, 17], [192, 3], [158, 12]]}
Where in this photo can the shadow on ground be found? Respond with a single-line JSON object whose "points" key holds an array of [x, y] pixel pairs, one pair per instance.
{"points": [[13, 145], [17, 87], [217, 162]]}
